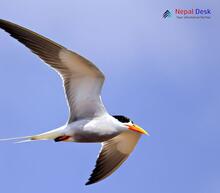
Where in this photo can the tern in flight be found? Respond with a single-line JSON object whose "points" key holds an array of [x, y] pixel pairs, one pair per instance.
{"points": [[88, 120]]}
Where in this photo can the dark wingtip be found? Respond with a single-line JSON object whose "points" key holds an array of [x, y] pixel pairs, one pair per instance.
{"points": [[88, 183], [4, 22]]}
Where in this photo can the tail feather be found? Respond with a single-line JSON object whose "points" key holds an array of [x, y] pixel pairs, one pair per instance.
{"points": [[53, 134], [16, 138], [24, 141]]}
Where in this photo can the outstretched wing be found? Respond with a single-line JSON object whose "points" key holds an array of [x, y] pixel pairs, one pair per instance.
{"points": [[82, 79], [113, 153]]}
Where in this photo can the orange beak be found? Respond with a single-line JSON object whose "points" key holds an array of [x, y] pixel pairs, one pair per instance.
{"points": [[137, 129]]}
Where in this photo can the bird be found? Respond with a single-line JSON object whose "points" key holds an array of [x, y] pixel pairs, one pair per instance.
{"points": [[89, 121]]}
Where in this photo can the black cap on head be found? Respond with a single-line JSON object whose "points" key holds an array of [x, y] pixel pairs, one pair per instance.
{"points": [[122, 119]]}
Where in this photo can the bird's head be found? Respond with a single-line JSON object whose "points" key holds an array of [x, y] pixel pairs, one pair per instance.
{"points": [[130, 124]]}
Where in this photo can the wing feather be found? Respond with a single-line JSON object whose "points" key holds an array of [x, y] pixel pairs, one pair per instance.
{"points": [[113, 153], [82, 79]]}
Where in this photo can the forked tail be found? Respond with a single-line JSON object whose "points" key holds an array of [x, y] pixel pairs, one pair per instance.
{"points": [[18, 139], [50, 135]]}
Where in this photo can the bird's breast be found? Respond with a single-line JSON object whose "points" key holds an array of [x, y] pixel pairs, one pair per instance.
{"points": [[92, 137], [94, 134], [94, 130]]}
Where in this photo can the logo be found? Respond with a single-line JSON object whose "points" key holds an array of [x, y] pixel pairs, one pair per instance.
{"points": [[192, 13], [166, 14]]}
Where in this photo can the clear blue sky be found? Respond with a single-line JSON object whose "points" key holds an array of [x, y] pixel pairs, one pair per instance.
{"points": [[163, 73]]}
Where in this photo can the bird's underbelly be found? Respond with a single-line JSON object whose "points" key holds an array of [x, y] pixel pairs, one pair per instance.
{"points": [[92, 137], [94, 130]]}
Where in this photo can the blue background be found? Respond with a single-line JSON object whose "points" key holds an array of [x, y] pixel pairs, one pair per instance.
{"points": [[162, 73]]}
